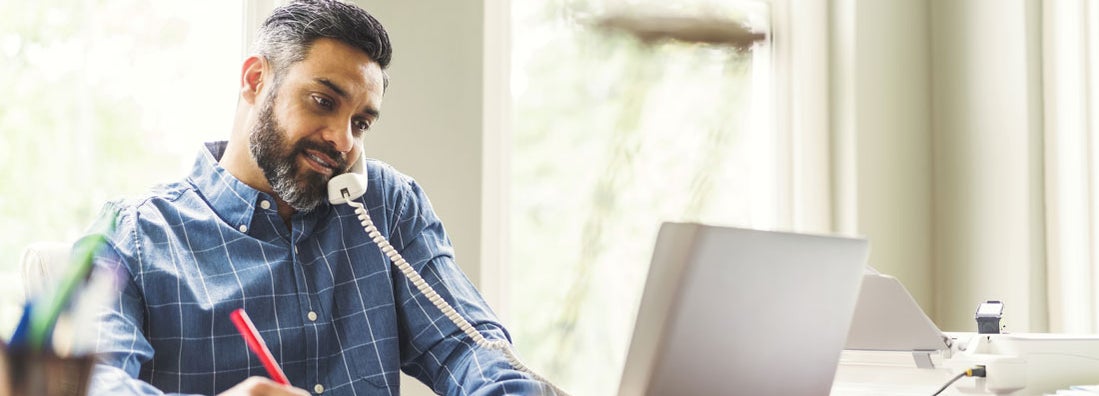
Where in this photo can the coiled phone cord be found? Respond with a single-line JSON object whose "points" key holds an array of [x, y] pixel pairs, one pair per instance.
{"points": [[440, 303]]}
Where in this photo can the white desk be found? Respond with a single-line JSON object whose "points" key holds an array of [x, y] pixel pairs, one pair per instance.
{"points": [[889, 373], [1035, 365]]}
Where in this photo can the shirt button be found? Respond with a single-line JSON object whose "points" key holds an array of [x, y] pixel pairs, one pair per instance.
{"points": [[243, 228], [312, 318], [318, 388], [264, 204], [295, 250]]}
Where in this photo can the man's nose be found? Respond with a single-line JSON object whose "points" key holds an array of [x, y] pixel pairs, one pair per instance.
{"points": [[341, 136]]}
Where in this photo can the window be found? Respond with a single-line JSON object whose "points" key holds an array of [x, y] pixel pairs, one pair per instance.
{"points": [[104, 98], [610, 137]]}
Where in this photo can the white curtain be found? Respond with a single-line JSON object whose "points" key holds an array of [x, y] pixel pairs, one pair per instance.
{"points": [[801, 45], [1070, 47]]}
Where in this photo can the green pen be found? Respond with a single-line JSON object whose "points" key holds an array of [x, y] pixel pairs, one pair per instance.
{"points": [[44, 314]]}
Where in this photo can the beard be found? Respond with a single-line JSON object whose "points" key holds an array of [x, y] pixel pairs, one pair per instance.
{"points": [[302, 189]]}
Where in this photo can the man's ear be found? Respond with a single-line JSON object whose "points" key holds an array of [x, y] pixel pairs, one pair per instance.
{"points": [[252, 75]]}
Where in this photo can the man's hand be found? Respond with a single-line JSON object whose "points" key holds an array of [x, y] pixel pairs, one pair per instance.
{"points": [[262, 386]]}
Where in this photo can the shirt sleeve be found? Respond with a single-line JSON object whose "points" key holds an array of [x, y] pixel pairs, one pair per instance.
{"points": [[121, 346], [433, 349]]}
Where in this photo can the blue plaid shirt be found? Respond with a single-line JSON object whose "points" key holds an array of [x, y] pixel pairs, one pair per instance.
{"points": [[328, 303]]}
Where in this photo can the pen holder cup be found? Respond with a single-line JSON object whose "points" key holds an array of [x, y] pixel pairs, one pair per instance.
{"points": [[44, 374]]}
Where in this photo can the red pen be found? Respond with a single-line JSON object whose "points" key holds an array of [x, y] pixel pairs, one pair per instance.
{"points": [[256, 344]]}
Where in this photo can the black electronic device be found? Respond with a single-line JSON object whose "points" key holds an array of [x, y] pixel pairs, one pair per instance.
{"points": [[988, 317]]}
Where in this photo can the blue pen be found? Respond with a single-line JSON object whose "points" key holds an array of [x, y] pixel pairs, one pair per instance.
{"points": [[19, 338]]}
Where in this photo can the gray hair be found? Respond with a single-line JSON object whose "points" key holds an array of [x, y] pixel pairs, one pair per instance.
{"points": [[287, 35]]}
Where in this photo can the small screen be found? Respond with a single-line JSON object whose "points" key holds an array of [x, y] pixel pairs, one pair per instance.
{"points": [[990, 309]]}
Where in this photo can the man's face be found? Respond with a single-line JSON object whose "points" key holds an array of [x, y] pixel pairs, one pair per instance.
{"points": [[309, 125]]}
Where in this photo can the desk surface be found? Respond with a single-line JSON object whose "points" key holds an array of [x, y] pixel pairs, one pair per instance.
{"points": [[864, 373], [866, 380]]}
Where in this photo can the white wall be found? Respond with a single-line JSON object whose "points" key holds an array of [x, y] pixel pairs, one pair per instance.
{"points": [[882, 127], [937, 150], [988, 161]]}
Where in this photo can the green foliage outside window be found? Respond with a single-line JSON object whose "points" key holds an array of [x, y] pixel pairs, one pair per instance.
{"points": [[102, 99], [610, 138]]}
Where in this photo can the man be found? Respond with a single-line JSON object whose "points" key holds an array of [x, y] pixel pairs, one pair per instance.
{"points": [[251, 228]]}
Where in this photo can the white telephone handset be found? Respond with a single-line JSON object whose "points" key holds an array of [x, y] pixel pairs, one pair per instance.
{"points": [[345, 189]]}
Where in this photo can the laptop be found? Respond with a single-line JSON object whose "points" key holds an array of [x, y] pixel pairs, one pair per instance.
{"points": [[729, 311]]}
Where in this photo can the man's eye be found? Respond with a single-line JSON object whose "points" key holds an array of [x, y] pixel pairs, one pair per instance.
{"points": [[362, 126], [323, 102]]}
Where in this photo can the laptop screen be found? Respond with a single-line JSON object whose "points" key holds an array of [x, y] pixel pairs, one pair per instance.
{"points": [[736, 311]]}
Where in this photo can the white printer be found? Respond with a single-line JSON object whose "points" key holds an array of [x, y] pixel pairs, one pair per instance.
{"points": [[894, 348]]}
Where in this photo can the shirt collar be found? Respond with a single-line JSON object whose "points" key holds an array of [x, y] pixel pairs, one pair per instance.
{"points": [[232, 200]]}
